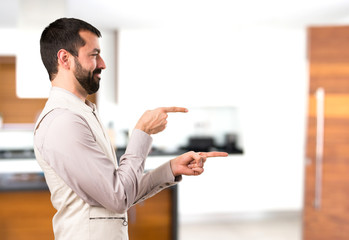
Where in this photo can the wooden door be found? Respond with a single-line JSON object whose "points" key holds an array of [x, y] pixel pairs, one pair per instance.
{"points": [[326, 207]]}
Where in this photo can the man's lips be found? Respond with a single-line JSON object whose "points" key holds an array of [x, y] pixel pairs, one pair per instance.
{"points": [[97, 73]]}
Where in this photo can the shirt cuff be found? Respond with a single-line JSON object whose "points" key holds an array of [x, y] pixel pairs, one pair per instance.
{"points": [[163, 174]]}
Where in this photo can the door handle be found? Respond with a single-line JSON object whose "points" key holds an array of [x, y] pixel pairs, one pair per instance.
{"points": [[320, 109]]}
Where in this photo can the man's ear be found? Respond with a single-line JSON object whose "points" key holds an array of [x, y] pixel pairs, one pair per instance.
{"points": [[64, 58]]}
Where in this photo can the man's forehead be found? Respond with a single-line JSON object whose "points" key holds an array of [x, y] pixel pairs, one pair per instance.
{"points": [[91, 40]]}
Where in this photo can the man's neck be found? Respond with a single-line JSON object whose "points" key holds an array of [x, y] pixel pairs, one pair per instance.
{"points": [[71, 87]]}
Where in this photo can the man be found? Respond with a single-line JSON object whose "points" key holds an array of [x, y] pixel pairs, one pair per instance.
{"points": [[89, 190]]}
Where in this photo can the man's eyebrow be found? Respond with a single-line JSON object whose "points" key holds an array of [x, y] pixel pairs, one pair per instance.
{"points": [[96, 50]]}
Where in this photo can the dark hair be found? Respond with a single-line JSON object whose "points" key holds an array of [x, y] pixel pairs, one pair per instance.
{"points": [[62, 34]]}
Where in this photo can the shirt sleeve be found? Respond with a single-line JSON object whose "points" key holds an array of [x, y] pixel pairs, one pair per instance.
{"points": [[156, 180], [67, 144], [152, 181]]}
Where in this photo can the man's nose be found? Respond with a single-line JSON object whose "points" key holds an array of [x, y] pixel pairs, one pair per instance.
{"points": [[101, 63]]}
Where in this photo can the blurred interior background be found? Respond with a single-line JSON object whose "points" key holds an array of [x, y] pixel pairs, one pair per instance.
{"points": [[240, 67]]}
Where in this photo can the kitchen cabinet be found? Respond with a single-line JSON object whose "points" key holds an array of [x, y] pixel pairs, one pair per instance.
{"points": [[28, 215], [326, 206], [155, 218]]}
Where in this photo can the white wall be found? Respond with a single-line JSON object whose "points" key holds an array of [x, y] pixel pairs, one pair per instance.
{"points": [[262, 72], [31, 76], [179, 66], [8, 41]]}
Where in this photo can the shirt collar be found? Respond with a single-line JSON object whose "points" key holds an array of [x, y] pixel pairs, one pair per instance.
{"points": [[66, 95]]}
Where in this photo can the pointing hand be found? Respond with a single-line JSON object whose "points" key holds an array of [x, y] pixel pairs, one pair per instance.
{"points": [[154, 121], [192, 163]]}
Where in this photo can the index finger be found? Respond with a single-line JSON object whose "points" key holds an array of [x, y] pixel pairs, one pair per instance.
{"points": [[214, 154], [174, 109]]}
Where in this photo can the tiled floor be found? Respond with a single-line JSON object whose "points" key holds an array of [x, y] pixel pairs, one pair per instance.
{"points": [[270, 228]]}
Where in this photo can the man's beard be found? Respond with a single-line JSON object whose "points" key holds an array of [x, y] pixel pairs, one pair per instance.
{"points": [[85, 78]]}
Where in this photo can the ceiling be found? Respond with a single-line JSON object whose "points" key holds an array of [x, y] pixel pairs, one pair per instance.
{"points": [[119, 14]]}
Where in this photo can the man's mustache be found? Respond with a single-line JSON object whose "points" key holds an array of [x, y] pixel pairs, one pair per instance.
{"points": [[97, 71]]}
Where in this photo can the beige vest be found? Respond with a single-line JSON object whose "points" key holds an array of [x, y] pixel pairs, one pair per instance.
{"points": [[75, 219]]}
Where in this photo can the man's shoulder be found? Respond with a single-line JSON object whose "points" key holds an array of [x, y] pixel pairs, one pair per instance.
{"points": [[61, 114], [61, 118], [60, 124]]}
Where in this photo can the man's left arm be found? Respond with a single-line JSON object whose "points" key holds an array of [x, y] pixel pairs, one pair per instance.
{"points": [[170, 173]]}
